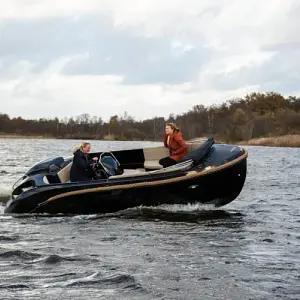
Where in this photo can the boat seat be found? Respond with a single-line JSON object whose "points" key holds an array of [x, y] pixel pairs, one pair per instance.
{"points": [[152, 165], [152, 157], [178, 167], [133, 171], [193, 146], [64, 173], [130, 175]]}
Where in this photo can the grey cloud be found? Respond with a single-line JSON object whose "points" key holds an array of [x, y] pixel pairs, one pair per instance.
{"points": [[40, 40], [139, 60], [142, 61], [280, 73]]}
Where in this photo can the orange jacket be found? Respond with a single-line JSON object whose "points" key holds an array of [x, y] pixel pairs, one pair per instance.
{"points": [[176, 145]]}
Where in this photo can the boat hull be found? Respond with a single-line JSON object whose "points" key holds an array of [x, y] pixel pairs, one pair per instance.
{"points": [[218, 187]]}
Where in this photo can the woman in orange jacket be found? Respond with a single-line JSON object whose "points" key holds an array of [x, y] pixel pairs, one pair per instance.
{"points": [[174, 142]]}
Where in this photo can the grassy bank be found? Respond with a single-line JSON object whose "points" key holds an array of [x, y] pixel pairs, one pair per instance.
{"points": [[292, 140], [66, 137]]}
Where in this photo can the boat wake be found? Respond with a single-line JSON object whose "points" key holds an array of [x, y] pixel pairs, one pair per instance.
{"points": [[184, 207], [184, 214], [4, 194], [191, 213], [166, 213]]}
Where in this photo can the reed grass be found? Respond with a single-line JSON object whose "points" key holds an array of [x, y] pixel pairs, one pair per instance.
{"points": [[291, 140]]}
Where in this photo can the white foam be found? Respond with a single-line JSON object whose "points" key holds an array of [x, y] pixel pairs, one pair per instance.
{"points": [[184, 207], [2, 208], [4, 193]]}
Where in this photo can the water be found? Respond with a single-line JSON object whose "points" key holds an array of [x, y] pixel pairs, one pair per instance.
{"points": [[249, 249]]}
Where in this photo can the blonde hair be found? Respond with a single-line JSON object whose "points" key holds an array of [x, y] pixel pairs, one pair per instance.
{"points": [[173, 126], [80, 147]]}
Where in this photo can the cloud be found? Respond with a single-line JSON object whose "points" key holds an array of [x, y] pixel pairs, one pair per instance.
{"points": [[51, 93], [62, 58]]}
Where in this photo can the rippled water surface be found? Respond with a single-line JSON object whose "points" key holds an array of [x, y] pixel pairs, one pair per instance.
{"points": [[249, 249]]}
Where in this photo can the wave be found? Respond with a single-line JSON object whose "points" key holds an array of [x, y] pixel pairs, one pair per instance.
{"points": [[4, 238], [189, 213], [165, 214], [121, 281], [55, 259], [4, 194], [14, 286], [19, 254], [179, 215], [124, 281]]}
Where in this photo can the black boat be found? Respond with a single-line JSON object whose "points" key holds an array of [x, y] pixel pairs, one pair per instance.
{"points": [[210, 174]]}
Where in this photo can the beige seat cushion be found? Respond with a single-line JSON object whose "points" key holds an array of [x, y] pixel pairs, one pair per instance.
{"points": [[64, 174], [126, 175], [133, 171], [152, 165], [178, 167], [153, 155], [193, 146]]}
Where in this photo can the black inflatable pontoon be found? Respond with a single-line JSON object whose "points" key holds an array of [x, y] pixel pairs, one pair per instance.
{"points": [[210, 174]]}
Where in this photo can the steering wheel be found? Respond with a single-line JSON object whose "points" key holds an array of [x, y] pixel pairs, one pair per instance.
{"points": [[98, 171]]}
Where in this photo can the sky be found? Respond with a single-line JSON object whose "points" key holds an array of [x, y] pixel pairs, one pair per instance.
{"points": [[147, 57]]}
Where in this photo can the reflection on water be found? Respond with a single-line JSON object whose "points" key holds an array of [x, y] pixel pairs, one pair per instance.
{"points": [[157, 214], [199, 216]]}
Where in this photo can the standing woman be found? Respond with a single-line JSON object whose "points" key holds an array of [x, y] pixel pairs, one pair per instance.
{"points": [[81, 167], [174, 142]]}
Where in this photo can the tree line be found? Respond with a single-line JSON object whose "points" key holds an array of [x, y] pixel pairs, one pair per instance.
{"points": [[253, 116]]}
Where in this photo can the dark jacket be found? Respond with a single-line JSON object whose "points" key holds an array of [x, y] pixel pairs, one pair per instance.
{"points": [[81, 167], [176, 145]]}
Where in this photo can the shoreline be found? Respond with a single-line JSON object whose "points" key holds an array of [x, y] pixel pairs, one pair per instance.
{"points": [[291, 140], [48, 137], [20, 136]]}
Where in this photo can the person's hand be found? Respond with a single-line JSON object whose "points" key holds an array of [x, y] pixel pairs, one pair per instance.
{"points": [[95, 158]]}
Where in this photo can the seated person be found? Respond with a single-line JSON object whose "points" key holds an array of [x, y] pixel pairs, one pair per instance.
{"points": [[81, 168], [174, 142]]}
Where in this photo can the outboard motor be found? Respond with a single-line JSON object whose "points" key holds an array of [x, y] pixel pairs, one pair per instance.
{"points": [[51, 165]]}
